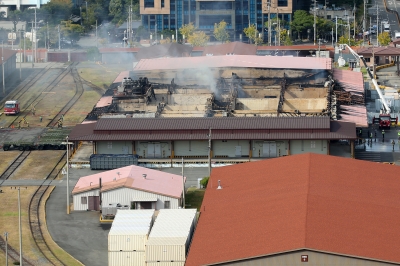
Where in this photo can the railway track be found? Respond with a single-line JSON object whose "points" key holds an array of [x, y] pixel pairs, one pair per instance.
{"points": [[39, 97], [16, 94], [12, 253], [17, 162], [34, 216], [78, 93]]}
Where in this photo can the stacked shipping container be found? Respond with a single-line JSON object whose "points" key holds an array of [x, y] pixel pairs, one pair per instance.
{"points": [[170, 237], [128, 236]]}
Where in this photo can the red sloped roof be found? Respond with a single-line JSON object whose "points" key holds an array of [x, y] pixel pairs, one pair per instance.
{"points": [[308, 201], [119, 50]]}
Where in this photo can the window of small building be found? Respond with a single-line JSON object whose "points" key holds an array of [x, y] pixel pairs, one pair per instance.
{"points": [[367, 59], [167, 204], [83, 200]]}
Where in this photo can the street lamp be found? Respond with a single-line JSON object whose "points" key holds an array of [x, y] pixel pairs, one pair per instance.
{"points": [[2, 64], [124, 39]]}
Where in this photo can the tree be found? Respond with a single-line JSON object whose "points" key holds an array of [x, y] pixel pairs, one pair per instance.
{"points": [[116, 10], [252, 33], [384, 38], [204, 181], [302, 21], [285, 37], [220, 32], [72, 31], [15, 17], [198, 38], [56, 11], [345, 40], [187, 30]]}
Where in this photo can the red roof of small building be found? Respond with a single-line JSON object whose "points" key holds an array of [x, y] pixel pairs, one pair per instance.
{"points": [[119, 50], [309, 201]]}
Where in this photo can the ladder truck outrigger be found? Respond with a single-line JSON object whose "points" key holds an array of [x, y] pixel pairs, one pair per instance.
{"points": [[384, 120]]}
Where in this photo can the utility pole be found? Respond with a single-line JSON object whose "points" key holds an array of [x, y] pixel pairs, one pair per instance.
{"points": [[96, 34], [332, 36], [24, 41], [315, 21], [183, 184], [32, 43], [20, 57], [279, 28], [2, 64], [377, 24], [209, 152], [59, 38], [20, 227], [6, 239], [354, 21], [66, 138], [48, 36], [365, 24], [336, 40], [35, 39], [269, 22]]}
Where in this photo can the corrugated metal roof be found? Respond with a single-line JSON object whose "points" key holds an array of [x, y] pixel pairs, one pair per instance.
{"points": [[310, 201], [123, 74], [172, 223], [338, 130], [354, 113], [6, 54], [119, 50], [247, 61], [294, 47], [213, 123], [350, 81], [134, 213], [383, 50], [157, 182]]}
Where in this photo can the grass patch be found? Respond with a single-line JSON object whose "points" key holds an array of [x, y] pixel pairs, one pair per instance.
{"points": [[81, 108], [100, 75], [61, 254], [9, 222], [38, 165], [194, 198], [7, 157]]}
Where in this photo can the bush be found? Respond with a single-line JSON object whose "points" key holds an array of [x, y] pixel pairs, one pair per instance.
{"points": [[204, 182]]}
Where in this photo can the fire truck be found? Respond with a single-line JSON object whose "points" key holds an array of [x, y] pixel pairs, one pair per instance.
{"points": [[12, 107], [385, 119]]}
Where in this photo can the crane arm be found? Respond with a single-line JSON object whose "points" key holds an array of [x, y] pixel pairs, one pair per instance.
{"points": [[360, 57]]}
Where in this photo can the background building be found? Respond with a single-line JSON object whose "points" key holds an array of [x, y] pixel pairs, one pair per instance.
{"points": [[158, 15]]}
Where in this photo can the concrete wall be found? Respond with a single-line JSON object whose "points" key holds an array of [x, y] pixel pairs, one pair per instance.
{"points": [[125, 196], [314, 259], [78, 206], [114, 147], [305, 104], [257, 104], [304, 146], [292, 93], [231, 148]]}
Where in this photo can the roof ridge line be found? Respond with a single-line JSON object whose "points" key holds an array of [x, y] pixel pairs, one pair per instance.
{"points": [[308, 193]]}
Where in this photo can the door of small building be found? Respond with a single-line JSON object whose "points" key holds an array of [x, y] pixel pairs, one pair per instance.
{"points": [[145, 205], [269, 149], [150, 150], [94, 202], [157, 150], [238, 151]]}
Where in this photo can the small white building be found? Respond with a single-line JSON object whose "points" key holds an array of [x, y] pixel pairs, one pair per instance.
{"points": [[130, 187], [170, 237]]}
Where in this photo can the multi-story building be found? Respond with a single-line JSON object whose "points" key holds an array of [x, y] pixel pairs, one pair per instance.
{"points": [[158, 15]]}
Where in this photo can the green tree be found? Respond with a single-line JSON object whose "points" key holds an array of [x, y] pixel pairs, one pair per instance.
{"points": [[220, 32], [187, 30], [198, 38], [302, 21], [55, 11], [285, 37], [204, 181], [116, 10], [71, 31], [253, 35], [384, 38], [345, 40], [14, 16]]}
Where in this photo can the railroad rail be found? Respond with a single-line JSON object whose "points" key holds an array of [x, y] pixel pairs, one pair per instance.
{"points": [[12, 253], [13, 166], [34, 218], [78, 93], [37, 99], [28, 83]]}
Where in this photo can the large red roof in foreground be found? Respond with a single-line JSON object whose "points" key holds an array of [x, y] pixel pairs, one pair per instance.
{"points": [[309, 201]]}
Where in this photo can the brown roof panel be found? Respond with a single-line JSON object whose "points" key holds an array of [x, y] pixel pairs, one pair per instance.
{"points": [[81, 130], [250, 61], [119, 50], [338, 130], [213, 123], [309, 201]]}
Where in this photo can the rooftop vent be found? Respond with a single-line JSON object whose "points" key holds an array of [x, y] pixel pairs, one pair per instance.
{"points": [[144, 176], [219, 184]]}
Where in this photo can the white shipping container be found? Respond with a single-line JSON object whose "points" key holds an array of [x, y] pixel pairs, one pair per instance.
{"points": [[126, 258], [127, 242], [166, 249]]}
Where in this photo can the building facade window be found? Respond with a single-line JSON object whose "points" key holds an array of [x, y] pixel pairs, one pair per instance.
{"points": [[282, 3], [109, 144], [162, 4], [167, 204], [148, 3], [83, 200]]}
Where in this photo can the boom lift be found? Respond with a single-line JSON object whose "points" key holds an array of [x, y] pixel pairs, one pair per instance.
{"points": [[385, 119]]}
